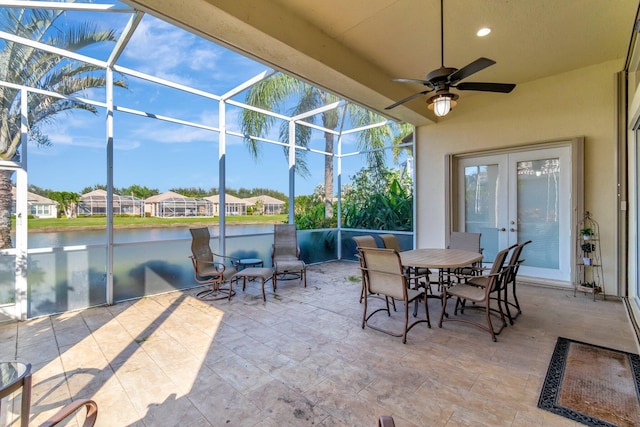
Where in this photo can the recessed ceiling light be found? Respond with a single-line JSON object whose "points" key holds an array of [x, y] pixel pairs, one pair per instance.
{"points": [[483, 31]]}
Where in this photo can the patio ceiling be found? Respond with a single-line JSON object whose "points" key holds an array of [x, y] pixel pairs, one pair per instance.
{"points": [[355, 48]]}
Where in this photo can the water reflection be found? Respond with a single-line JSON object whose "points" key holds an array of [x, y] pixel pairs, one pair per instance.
{"points": [[98, 237]]}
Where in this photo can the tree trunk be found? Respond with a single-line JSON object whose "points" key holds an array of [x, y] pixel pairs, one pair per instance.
{"points": [[328, 177], [5, 209]]}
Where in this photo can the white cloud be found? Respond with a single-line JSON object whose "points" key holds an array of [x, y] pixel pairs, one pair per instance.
{"points": [[69, 133], [169, 52], [152, 131]]}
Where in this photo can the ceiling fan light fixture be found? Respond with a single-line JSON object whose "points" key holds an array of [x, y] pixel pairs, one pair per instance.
{"points": [[445, 78], [442, 104]]}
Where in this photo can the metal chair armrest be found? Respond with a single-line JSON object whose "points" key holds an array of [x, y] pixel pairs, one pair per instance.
{"points": [[466, 277], [70, 410], [218, 265]]}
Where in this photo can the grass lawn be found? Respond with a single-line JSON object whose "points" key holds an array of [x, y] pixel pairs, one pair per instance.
{"points": [[140, 222]]}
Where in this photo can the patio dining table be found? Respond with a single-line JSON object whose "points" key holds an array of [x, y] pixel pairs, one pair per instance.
{"points": [[437, 258]]}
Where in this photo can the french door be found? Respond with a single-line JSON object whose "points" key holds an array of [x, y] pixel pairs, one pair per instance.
{"points": [[514, 197]]}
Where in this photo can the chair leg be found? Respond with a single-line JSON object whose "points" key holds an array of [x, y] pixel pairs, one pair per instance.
{"points": [[502, 318], [426, 309], [444, 308], [488, 313], [264, 297], [515, 298], [215, 292], [460, 305], [364, 314], [406, 322], [505, 301]]}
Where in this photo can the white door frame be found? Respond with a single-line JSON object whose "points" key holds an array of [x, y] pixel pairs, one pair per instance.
{"points": [[576, 147]]}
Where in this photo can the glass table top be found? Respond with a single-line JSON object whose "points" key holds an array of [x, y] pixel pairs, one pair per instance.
{"points": [[10, 372]]}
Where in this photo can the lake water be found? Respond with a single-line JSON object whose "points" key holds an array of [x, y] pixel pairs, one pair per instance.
{"points": [[129, 235]]}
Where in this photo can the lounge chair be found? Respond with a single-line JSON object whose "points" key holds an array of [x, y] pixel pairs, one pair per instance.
{"points": [[210, 268], [285, 255]]}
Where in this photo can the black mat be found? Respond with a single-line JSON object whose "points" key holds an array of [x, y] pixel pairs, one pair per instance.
{"points": [[593, 385]]}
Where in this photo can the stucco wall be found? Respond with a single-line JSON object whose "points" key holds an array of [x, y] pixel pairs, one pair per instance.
{"points": [[578, 103]]}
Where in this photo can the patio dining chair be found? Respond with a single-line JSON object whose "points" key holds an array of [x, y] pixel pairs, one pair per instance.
{"points": [[466, 242], [210, 268], [417, 276], [478, 290], [285, 255], [510, 279], [385, 276], [390, 242], [367, 241]]}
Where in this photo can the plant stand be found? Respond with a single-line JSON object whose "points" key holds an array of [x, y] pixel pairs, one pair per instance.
{"points": [[589, 275]]}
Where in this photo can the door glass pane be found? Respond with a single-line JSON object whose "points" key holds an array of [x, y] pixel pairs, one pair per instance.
{"points": [[539, 211], [7, 279], [481, 206]]}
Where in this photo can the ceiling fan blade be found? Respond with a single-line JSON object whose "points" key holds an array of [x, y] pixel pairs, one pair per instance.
{"points": [[469, 69], [486, 87], [408, 98], [423, 82]]}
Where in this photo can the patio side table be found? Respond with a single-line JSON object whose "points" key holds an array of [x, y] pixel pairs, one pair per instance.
{"points": [[249, 263], [13, 376]]}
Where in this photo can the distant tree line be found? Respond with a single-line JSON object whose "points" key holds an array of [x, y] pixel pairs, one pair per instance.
{"points": [[138, 191], [242, 193]]}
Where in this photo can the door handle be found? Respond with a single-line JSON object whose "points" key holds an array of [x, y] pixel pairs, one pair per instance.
{"points": [[513, 229], [502, 229]]}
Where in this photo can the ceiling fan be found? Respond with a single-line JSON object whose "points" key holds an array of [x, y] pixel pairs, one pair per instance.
{"points": [[444, 78]]}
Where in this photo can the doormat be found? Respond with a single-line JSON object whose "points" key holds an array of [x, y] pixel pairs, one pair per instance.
{"points": [[593, 385]]}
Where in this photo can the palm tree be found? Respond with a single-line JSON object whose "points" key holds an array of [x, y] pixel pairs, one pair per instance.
{"points": [[275, 92], [32, 67]]}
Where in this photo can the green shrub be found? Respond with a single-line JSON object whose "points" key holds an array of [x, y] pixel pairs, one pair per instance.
{"points": [[378, 200]]}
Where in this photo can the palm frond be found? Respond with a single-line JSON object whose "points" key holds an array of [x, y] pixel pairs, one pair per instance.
{"points": [[81, 36], [36, 68], [269, 94], [402, 130]]}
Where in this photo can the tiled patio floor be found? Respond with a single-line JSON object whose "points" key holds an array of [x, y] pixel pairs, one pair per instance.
{"points": [[300, 359]]}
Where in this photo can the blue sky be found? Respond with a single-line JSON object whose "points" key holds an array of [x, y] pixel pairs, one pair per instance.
{"points": [[163, 155]]}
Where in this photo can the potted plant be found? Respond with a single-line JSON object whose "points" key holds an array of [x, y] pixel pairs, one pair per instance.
{"points": [[587, 248], [587, 233]]}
